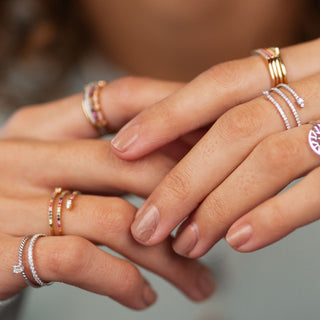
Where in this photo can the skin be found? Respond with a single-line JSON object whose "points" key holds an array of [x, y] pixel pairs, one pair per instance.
{"points": [[246, 156], [180, 116], [36, 157], [179, 39]]}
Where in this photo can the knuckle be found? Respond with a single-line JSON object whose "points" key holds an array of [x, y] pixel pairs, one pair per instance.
{"points": [[239, 122], [216, 210], [277, 219], [227, 74], [129, 277], [279, 153], [178, 184], [113, 217], [123, 89], [70, 258], [16, 123]]}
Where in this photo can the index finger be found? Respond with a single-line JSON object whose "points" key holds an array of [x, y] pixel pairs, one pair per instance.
{"points": [[120, 100], [208, 96]]}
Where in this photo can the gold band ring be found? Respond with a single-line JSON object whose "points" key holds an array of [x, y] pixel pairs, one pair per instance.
{"points": [[276, 67]]}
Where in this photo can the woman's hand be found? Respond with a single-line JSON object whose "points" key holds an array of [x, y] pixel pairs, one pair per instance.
{"points": [[237, 168], [31, 166]]}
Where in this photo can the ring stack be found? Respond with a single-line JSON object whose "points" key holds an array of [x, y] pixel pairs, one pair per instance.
{"points": [[57, 204], [92, 108], [19, 268], [276, 67], [299, 101]]}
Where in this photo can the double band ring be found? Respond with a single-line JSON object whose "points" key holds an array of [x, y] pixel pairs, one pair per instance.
{"points": [[276, 67], [19, 268]]}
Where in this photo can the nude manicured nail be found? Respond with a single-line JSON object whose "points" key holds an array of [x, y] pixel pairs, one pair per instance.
{"points": [[125, 138], [186, 240], [145, 224], [148, 295], [206, 283], [239, 235]]}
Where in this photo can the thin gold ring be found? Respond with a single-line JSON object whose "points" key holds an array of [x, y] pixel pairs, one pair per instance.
{"points": [[276, 67]]}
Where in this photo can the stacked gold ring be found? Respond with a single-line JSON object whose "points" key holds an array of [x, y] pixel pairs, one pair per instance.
{"points": [[59, 195], [276, 67], [91, 106]]}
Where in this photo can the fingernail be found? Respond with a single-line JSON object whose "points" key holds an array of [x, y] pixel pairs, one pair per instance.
{"points": [[187, 240], [148, 295], [145, 224], [239, 235], [206, 283], [125, 138]]}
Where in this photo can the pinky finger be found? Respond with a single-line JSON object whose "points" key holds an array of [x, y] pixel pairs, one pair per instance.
{"points": [[278, 216], [76, 261]]}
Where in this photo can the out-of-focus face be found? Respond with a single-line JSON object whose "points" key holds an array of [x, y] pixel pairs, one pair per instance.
{"points": [[179, 38]]}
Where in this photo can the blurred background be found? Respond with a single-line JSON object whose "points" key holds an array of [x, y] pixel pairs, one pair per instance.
{"points": [[50, 49]]}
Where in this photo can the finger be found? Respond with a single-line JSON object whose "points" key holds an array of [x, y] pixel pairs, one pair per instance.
{"points": [[76, 261], [86, 165], [121, 100], [277, 217], [107, 221], [217, 154], [208, 96], [272, 165]]}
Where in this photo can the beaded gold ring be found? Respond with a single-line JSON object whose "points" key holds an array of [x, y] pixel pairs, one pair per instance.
{"points": [[56, 192], [92, 108]]}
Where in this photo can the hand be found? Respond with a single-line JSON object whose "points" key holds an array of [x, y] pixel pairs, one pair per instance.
{"points": [[31, 168], [238, 166]]}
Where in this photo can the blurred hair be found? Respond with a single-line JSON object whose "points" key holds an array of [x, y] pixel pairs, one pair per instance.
{"points": [[39, 39], [42, 39]]}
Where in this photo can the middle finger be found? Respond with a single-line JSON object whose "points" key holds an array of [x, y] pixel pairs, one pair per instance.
{"points": [[217, 154]]}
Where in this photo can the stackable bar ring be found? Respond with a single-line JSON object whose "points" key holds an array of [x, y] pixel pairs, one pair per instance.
{"points": [[278, 107], [299, 100], [92, 108], [59, 207], [31, 262], [289, 103], [277, 69], [102, 121], [19, 268], [69, 203], [56, 192]]}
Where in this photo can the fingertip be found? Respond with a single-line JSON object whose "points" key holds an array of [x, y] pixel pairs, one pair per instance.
{"points": [[149, 296]]}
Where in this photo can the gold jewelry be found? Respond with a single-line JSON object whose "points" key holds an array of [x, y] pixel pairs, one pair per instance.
{"points": [[59, 206], [69, 203], [276, 67], [56, 192], [91, 106]]}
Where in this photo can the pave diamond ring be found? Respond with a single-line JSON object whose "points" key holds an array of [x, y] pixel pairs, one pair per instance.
{"points": [[31, 262], [19, 268]]}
